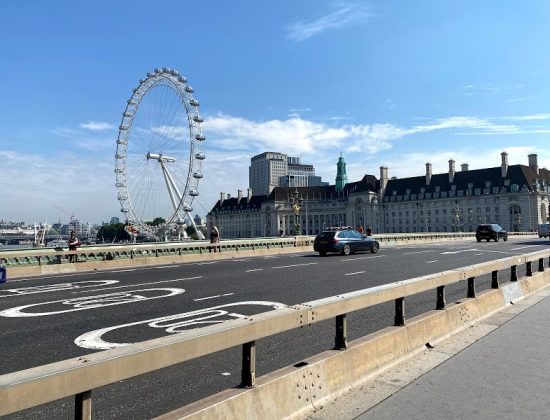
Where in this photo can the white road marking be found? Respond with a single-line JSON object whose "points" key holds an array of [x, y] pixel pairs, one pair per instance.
{"points": [[171, 324], [523, 247], [458, 252], [207, 263], [418, 252], [241, 260], [363, 258], [254, 269], [144, 284], [213, 297], [92, 302], [353, 274], [431, 262], [167, 266], [55, 287], [293, 265], [481, 253], [226, 374], [124, 271]]}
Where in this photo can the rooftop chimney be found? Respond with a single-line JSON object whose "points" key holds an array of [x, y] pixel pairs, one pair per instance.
{"points": [[222, 198], [465, 167], [533, 162], [504, 165], [383, 178], [428, 173], [239, 196], [451, 171], [249, 193]]}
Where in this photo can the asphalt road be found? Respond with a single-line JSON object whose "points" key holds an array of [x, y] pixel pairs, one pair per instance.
{"points": [[52, 318]]}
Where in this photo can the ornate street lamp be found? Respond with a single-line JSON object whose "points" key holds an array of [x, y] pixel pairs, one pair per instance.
{"points": [[296, 201], [456, 213]]}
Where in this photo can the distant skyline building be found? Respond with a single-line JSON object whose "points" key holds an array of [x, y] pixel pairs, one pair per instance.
{"points": [[273, 169]]}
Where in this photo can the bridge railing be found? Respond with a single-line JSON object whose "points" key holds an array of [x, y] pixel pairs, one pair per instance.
{"points": [[79, 377], [49, 256]]}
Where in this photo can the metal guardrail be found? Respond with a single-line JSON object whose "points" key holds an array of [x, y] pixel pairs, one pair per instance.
{"points": [[78, 377], [48, 256]]}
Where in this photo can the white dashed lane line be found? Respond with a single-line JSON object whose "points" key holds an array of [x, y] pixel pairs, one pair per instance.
{"points": [[362, 258], [523, 247], [254, 269], [293, 265], [353, 274], [431, 262], [213, 297], [417, 252]]}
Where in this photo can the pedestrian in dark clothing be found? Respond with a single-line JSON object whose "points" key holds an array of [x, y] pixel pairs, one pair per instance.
{"points": [[369, 231], [3, 275], [74, 243]]}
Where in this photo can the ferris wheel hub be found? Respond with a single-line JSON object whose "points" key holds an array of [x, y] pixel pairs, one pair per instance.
{"points": [[160, 157]]}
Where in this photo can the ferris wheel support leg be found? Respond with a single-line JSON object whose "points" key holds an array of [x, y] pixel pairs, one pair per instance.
{"points": [[172, 190], [199, 233]]}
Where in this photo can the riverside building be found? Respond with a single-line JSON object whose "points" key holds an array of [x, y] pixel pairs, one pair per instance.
{"points": [[514, 196]]}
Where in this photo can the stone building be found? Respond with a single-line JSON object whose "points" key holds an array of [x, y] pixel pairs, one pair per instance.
{"points": [[514, 196]]}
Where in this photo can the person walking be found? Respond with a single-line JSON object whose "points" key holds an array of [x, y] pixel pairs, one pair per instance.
{"points": [[215, 236], [74, 243], [3, 275], [369, 231]]}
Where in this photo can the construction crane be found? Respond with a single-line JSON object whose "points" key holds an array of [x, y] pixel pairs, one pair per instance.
{"points": [[71, 215]]}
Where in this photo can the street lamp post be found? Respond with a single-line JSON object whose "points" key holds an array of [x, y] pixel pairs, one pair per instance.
{"points": [[296, 201], [456, 212]]}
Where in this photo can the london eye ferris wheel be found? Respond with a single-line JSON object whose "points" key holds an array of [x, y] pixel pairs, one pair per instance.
{"points": [[159, 156]]}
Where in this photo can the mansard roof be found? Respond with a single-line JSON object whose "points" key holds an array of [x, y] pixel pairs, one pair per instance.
{"points": [[368, 183], [517, 174], [255, 202]]}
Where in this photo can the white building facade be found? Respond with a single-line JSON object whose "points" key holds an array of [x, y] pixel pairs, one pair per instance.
{"points": [[516, 197]]}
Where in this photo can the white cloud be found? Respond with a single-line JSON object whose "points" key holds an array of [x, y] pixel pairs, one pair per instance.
{"points": [[489, 89], [344, 16], [84, 182], [526, 98], [97, 126]]}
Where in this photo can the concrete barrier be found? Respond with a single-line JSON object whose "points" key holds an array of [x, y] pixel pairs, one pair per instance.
{"points": [[309, 384]]}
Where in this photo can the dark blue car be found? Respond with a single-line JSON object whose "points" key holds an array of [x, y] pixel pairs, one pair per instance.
{"points": [[344, 241]]}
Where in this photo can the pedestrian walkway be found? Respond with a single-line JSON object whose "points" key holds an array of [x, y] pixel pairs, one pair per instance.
{"points": [[497, 369]]}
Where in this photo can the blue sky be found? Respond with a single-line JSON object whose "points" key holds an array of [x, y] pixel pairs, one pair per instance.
{"points": [[392, 83]]}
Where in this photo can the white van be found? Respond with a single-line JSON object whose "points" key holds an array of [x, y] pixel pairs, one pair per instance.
{"points": [[544, 230]]}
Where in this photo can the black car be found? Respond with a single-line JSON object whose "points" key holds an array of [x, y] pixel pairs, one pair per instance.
{"points": [[344, 241], [492, 231]]}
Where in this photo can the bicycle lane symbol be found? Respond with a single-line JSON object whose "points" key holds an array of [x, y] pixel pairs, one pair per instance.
{"points": [[171, 324]]}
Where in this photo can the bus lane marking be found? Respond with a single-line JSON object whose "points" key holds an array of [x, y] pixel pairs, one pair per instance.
{"points": [[91, 302], [171, 324]]}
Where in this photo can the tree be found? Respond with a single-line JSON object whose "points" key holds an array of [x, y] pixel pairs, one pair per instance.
{"points": [[113, 232], [156, 221]]}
